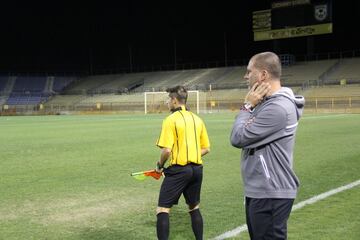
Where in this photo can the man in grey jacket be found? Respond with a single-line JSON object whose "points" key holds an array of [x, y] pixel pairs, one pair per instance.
{"points": [[265, 131]]}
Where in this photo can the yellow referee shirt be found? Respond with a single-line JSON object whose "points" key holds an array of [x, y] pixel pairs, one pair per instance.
{"points": [[185, 134]]}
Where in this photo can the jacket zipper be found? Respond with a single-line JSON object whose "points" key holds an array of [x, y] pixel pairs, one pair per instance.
{"points": [[263, 163]]}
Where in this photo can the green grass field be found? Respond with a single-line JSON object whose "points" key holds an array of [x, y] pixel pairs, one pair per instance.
{"points": [[68, 177]]}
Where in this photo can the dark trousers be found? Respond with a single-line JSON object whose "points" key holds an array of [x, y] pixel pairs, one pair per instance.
{"points": [[267, 218]]}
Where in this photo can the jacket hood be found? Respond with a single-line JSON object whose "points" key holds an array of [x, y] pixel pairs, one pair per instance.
{"points": [[298, 100]]}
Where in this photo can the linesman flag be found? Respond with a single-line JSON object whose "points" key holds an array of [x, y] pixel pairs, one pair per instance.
{"points": [[144, 174]]}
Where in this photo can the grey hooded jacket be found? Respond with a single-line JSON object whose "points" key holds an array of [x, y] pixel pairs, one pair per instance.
{"points": [[267, 137]]}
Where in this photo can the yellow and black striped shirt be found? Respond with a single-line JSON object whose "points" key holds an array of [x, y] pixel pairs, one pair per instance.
{"points": [[185, 134]]}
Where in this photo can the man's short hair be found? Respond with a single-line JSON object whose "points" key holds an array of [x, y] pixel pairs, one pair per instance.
{"points": [[178, 92], [268, 61]]}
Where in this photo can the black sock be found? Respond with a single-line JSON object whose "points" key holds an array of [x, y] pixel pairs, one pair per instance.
{"points": [[162, 226], [197, 224]]}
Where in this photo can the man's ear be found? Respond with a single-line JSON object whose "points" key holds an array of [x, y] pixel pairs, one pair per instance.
{"points": [[264, 75]]}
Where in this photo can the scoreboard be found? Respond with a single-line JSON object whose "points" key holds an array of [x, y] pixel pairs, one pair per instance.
{"points": [[293, 18]]}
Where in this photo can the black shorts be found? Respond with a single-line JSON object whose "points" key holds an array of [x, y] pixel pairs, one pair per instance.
{"points": [[181, 180]]}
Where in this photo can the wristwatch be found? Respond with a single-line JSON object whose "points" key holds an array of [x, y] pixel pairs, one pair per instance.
{"points": [[158, 166], [247, 107]]}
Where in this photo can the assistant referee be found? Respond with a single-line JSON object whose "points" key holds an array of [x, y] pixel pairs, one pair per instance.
{"points": [[183, 141]]}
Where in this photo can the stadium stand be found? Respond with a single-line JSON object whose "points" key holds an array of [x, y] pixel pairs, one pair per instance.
{"points": [[123, 102], [162, 80], [347, 69], [232, 78], [59, 83], [84, 85], [108, 98], [3, 82], [26, 99], [227, 95], [65, 100], [29, 84], [119, 83], [306, 72], [219, 88], [197, 79], [27, 91], [333, 91], [9, 85]]}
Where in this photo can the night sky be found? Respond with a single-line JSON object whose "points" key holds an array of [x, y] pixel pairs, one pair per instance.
{"points": [[56, 36]]}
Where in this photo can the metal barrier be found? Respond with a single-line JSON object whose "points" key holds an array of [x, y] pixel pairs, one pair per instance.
{"points": [[347, 104]]}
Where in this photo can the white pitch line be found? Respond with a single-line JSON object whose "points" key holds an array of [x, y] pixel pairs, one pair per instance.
{"points": [[243, 228]]}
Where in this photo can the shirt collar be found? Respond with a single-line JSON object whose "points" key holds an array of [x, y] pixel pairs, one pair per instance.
{"points": [[181, 108]]}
